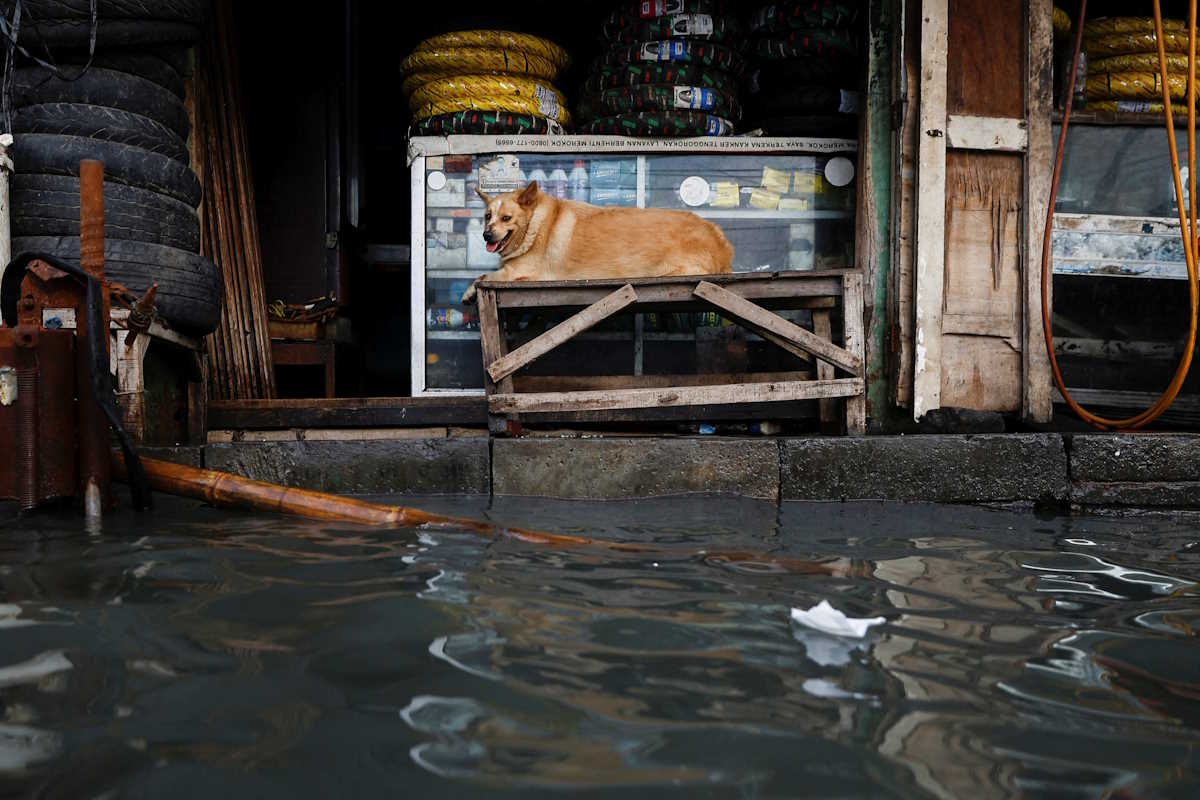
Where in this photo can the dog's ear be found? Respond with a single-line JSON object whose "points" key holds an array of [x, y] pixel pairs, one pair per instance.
{"points": [[486, 200], [528, 195]]}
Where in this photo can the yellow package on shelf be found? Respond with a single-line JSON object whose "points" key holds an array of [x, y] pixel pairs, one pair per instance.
{"points": [[725, 194], [795, 204], [764, 199], [808, 183], [777, 180]]}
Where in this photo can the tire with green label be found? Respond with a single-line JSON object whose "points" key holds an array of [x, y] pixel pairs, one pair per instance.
{"points": [[602, 78], [807, 43], [664, 124], [660, 97], [484, 123], [676, 51], [679, 26], [632, 13], [802, 14]]}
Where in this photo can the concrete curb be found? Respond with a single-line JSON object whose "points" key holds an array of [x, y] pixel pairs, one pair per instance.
{"points": [[1090, 471]]}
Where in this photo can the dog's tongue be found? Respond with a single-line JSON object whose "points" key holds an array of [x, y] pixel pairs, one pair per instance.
{"points": [[493, 247]]}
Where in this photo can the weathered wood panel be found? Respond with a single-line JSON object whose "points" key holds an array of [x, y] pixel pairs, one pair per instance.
{"points": [[1036, 400], [983, 292], [986, 64]]}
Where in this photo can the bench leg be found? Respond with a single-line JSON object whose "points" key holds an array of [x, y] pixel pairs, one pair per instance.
{"points": [[495, 346]]}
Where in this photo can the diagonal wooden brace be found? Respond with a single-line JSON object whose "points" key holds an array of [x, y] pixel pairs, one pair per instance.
{"points": [[776, 329], [592, 315]]}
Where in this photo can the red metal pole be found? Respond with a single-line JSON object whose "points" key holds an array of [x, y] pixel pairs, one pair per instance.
{"points": [[95, 468]]}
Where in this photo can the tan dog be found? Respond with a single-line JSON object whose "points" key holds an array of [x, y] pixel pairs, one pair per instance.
{"points": [[542, 238]]}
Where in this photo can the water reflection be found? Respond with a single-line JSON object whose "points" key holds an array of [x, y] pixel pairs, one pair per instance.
{"points": [[252, 656]]}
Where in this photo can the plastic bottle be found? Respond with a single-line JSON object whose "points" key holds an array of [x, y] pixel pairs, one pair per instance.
{"points": [[539, 175], [558, 183], [577, 183]]}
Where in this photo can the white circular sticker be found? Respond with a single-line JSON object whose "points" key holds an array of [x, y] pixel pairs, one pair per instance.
{"points": [[839, 171], [694, 191], [436, 181]]}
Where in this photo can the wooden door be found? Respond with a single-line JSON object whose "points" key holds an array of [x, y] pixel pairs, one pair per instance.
{"points": [[982, 165]]}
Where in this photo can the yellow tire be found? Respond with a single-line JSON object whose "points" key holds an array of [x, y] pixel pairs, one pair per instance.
{"points": [[1106, 26], [478, 61], [500, 40], [1062, 24], [1133, 86], [1119, 44], [1133, 107], [513, 104], [548, 101], [1140, 62]]}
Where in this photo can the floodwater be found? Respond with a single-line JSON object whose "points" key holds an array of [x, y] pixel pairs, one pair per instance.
{"points": [[192, 652]]}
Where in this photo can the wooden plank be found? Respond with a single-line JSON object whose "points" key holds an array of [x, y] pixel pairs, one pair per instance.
{"points": [[550, 402], [665, 291], [931, 210], [1036, 382], [494, 345], [197, 403], [726, 412], [778, 330], [131, 383], [985, 56], [346, 412], [563, 332], [904, 204], [980, 373], [573, 383], [965, 132], [827, 408], [855, 339]]}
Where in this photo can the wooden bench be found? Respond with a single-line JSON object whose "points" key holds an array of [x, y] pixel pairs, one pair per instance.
{"points": [[746, 298]]}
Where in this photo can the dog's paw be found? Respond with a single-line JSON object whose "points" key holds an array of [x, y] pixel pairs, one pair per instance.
{"points": [[468, 297]]}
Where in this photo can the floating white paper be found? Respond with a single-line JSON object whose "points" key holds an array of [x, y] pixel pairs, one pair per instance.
{"points": [[827, 619]]}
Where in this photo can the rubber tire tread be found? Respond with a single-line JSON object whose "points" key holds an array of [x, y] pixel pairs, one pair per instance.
{"points": [[189, 285], [103, 87], [52, 154], [48, 205], [101, 122]]}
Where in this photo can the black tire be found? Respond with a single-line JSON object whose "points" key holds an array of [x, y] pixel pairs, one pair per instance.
{"points": [[109, 32], [52, 154], [48, 205], [101, 122], [142, 62], [191, 11], [189, 286], [103, 87]]}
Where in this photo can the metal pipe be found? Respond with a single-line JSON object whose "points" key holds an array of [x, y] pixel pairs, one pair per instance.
{"points": [[95, 472], [6, 169], [226, 490]]}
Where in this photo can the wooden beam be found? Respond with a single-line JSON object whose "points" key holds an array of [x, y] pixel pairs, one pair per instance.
{"points": [[592, 315], [573, 383], [781, 287], [777, 329], [855, 338], [494, 345], [551, 402], [1036, 404], [965, 132], [827, 408], [931, 209], [347, 412]]}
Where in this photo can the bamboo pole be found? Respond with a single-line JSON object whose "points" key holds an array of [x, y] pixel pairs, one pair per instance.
{"points": [[226, 490]]}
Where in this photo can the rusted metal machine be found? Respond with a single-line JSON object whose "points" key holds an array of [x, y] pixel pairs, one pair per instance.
{"points": [[56, 393]]}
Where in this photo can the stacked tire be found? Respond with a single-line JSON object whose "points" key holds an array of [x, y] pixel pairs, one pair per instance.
{"points": [[805, 69], [1122, 64], [485, 82], [126, 109], [668, 69]]}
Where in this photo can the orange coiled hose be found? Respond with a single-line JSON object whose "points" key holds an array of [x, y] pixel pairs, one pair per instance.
{"points": [[1187, 221]]}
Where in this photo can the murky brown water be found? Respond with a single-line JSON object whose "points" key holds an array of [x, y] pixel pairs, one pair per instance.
{"points": [[199, 653]]}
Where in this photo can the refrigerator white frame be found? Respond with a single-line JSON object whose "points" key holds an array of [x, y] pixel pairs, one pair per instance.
{"points": [[422, 148]]}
